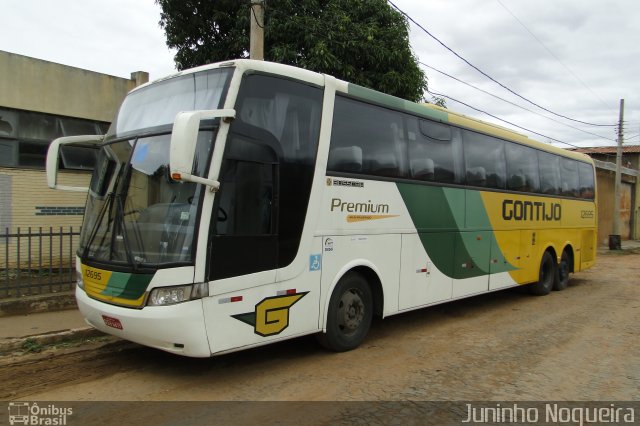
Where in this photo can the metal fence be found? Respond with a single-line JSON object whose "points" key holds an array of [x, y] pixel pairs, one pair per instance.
{"points": [[37, 260]]}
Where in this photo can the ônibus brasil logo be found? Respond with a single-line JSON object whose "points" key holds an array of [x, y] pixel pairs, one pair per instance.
{"points": [[30, 413]]}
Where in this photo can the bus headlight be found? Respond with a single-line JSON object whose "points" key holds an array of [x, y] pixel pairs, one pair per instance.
{"points": [[79, 279], [162, 296]]}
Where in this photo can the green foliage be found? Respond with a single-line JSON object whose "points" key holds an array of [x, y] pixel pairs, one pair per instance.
{"points": [[361, 41], [31, 345], [441, 102]]}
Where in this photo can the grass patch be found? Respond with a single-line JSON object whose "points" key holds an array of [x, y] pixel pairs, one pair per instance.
{"points": [[32, 346]]}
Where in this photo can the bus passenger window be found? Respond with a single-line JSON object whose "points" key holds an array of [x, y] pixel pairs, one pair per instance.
{"points": [[434, 151], [371, 136], [346, 159], [422, 168], [484, 160], [569, 175], [587, 185], [549, 166], [477, 176], [522, 168]]}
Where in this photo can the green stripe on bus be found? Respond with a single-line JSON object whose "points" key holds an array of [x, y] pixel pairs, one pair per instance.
{"points": [[438, 215], [396, 103], [126, 285]]}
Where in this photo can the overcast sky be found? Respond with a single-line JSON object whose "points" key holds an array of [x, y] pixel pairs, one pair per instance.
{"points": [[577, 58]]}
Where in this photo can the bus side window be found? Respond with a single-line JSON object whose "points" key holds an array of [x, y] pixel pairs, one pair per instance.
{"points": [[549, 173], [569, 176], [366, 139], [484, 160], [587, 186], [522, 168], [434, 150]]}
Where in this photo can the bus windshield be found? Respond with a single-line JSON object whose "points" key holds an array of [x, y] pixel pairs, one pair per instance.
{"points": [[136, 215], [155, 106]]}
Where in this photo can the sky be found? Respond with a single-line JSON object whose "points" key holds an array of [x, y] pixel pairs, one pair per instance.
{"points": [[574, 58]]}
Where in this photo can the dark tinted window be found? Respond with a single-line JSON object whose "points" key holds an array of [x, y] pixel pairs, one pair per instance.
{"points": [[32, 153], [74, 126], [266, 176], [549, 166], [246, 204], [34, 125], [484, 160], [570, 186], [366, 139], [435, 131], [25, 138], [79, 158], [8, 152], [522, 168], [8, 123], [587, 182], [435, 151]]}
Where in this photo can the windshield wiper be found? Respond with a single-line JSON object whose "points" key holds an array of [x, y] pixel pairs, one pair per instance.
{"points": [[123, 229], [96, 225]]}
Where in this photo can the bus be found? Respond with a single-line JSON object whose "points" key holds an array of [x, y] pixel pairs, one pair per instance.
{"points": [[246, 202]]}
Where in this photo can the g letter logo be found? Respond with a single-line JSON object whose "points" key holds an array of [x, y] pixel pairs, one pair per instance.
{"points": [[271, 316]]}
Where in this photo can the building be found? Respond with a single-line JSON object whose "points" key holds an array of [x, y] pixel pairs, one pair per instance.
{"points": [[605, 159], [40, 101]]}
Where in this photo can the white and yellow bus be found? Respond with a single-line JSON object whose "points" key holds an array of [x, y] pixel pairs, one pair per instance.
{"points": [[247, 202]]}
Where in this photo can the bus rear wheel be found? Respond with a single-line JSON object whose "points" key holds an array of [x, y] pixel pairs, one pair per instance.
{"points": [[562, 276], [349, 315], [546, 277]]}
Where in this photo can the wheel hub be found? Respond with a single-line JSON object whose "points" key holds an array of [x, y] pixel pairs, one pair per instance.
{"points": [[352, 310]]}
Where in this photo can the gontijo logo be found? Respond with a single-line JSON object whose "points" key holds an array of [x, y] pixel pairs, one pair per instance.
{"points": [[271, 315], [537, 211]]}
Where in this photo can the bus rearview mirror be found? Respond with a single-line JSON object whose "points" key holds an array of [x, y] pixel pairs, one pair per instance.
{"points": [[183, 144], [53, 156]]}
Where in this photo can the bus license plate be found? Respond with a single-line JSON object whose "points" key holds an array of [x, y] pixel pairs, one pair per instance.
{"points": [[112, 322]]}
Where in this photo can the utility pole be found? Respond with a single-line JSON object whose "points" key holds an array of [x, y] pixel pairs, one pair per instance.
{"points": [[256, 38], [614, 239]]}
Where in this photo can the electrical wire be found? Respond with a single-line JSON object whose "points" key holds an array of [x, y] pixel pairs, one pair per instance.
{"points": [[551, 53], [491, 78], [513, 103]]}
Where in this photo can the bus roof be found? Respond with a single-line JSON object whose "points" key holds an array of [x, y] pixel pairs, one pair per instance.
{"points": [[427, 110]]}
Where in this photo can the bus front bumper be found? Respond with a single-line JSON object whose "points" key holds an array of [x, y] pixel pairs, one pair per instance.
{"points": [[175, 328]]}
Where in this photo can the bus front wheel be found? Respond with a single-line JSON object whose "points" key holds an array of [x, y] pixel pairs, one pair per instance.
{"points": [[546, 277], [349, 314]]}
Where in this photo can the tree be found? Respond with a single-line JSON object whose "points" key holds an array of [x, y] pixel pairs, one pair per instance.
{"points": [[361, 41]]}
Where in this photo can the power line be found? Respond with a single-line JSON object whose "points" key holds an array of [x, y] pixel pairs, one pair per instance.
{"points": [[513, 103], [491, 78], [501, 119], [551, 53]]}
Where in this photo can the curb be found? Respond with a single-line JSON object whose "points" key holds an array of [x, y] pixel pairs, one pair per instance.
{"points": [[18, 343], [40, 303]]}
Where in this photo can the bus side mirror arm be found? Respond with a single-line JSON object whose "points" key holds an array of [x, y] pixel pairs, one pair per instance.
{"points": [[53, 155], [183, 144]]}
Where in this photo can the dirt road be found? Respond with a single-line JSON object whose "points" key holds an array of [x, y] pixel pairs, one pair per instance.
{"points": [[579, 344]]}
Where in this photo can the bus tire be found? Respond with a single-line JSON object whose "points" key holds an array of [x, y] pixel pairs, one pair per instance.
{"points": [[349, 315], [546, 277], [562, 275]]}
